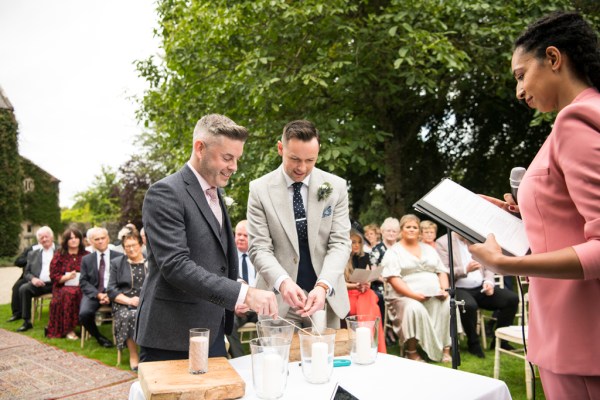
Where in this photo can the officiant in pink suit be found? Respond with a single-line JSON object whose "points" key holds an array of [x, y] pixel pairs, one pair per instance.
{"points": [[556, 63]]}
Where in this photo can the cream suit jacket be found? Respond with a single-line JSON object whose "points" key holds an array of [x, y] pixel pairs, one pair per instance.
{"points": [[274, 249]]}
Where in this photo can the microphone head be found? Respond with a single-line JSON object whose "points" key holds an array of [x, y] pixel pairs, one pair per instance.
{"points": [[516, 175]]}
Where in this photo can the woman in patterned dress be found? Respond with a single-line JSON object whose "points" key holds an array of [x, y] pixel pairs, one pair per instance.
{"points": [[127, 274], [66, 294]]}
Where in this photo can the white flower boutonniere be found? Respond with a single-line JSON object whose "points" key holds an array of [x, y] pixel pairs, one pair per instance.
{"points": [[324, 191], [229, 202]]}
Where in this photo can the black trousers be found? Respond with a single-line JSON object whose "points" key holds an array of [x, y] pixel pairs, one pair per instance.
{"points": [[87, 315], [27, 292], [217, 349], [504, 300], [235, 346], [15, 302]]}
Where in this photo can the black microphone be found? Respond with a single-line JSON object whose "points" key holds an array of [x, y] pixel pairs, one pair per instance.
{"points": [[516, 175]]}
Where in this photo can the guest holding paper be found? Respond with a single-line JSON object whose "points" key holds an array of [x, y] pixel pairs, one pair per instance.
{"points": [[363, 300], [556, 63], [127, 275], [416, 294], [66, 293]]}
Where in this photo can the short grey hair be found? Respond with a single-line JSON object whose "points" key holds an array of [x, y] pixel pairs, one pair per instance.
{"points": [[215, 125], [390, 223], [44, 229]]}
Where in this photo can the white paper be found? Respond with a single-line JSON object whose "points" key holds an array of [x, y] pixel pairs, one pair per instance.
{"points": [[360, 275], [74, 281], [479, 215]]}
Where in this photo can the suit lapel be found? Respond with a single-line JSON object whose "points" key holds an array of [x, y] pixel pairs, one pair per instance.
{"points": [[195, 191], [315, 208], [280, 197]]}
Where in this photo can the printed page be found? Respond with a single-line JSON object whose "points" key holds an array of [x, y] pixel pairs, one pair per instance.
{"points": [[365, 275], [479, 215]]}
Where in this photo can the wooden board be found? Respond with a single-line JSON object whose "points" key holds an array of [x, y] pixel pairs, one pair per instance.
{"points": [[170, 380], [343, 345]]}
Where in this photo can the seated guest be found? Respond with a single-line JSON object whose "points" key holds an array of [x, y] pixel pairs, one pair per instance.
{"points": [[127, 274], [372, 236], [64, 307], [390, 229], [95, 271], [363, 300], [416, 294], [428, 232], [37, 275], [475, 285], [247, 275], [20, 262]]}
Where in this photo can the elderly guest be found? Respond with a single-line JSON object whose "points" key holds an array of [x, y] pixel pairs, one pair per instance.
{"points": [[66, 294], [127, 274], [428, 232], [556, 63], [372, 236], [416, 294]]}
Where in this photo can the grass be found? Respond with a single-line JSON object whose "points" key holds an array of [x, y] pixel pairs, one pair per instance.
{"points": [[511, 371]]}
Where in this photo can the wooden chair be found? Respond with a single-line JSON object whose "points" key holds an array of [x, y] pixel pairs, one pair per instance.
{"points": [[248, 328], [513, 334], [38, 304]]}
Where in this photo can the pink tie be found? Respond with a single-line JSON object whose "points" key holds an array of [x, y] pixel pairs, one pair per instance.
{"points": [[214, 204]]}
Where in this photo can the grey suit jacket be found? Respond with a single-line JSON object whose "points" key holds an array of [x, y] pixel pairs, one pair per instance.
{"points": [[192, 266], [274, 248], [88, 280], [34, 264]]}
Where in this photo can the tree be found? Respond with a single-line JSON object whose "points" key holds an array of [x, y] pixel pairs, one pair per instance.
{"points": [[10, 183], [403, 92]]}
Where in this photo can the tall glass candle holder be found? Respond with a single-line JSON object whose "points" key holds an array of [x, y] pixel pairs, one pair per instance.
{"points": [[270, 358], [316, 353], [364, 334], [275, 328]]}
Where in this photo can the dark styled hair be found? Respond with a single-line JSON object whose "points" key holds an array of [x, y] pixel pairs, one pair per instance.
{"points": [[572, 35], [301, 129], [64, 242], [133, 234]]}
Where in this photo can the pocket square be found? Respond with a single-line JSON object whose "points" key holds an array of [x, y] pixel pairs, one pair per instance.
{"points": [[326, 212]]}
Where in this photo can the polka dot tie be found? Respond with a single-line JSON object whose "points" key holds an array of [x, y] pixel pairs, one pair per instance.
{"points": [[214, 204], [299, 213]]}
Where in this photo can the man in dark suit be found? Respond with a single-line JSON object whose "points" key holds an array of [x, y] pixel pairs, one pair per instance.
{"points": [[95, 268], [37, 275], [192, 263]]}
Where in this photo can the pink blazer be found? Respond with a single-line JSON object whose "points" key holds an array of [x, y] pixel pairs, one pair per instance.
{"points": [[559, 199]]}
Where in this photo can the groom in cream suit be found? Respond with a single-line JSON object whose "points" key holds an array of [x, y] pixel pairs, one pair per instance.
{"points": [[299, 228]]}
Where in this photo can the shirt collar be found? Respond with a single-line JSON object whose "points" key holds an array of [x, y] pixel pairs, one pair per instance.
{"points": [[289, 181], [203, 184]]}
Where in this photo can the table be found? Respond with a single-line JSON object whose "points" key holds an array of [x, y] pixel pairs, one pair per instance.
{"points": [[389, 377]]}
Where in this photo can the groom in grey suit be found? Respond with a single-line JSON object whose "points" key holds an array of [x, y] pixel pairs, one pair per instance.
{"points": [[192, 258], [299, 230]]}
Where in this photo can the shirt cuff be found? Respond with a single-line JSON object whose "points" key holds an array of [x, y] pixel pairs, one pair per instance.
{"points": [[242, 296], [279, 281]]}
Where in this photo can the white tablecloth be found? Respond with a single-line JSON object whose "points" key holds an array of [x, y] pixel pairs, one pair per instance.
{"points": [[389, 377]]}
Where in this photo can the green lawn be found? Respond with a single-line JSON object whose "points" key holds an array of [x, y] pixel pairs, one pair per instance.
{"points": [[512, 369]]}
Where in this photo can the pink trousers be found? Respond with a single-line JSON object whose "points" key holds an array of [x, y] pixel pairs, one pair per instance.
{"points": [[569, 387]]}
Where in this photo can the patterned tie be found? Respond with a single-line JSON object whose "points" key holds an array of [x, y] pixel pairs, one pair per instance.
{"points": [[214, 204], [101, 270], [299, 213], [244, 268]]}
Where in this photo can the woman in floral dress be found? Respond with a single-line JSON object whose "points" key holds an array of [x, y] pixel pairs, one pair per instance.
{"points": [[66, 294]]}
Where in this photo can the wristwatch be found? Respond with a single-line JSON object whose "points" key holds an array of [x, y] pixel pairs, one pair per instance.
{"points": [[324, 286]]}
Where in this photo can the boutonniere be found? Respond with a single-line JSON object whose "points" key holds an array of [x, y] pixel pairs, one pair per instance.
{"points": [[229, 202], [324, 191]]}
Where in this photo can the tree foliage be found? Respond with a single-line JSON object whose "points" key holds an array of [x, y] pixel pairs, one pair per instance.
{"points": [[403, 92], [10, 185]]}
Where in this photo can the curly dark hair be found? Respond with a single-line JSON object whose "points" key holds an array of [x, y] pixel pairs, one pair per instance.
{"points": [[572, 35]]}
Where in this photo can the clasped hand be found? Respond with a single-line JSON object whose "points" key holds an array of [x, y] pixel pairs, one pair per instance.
{"points": [[295, 297]]}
